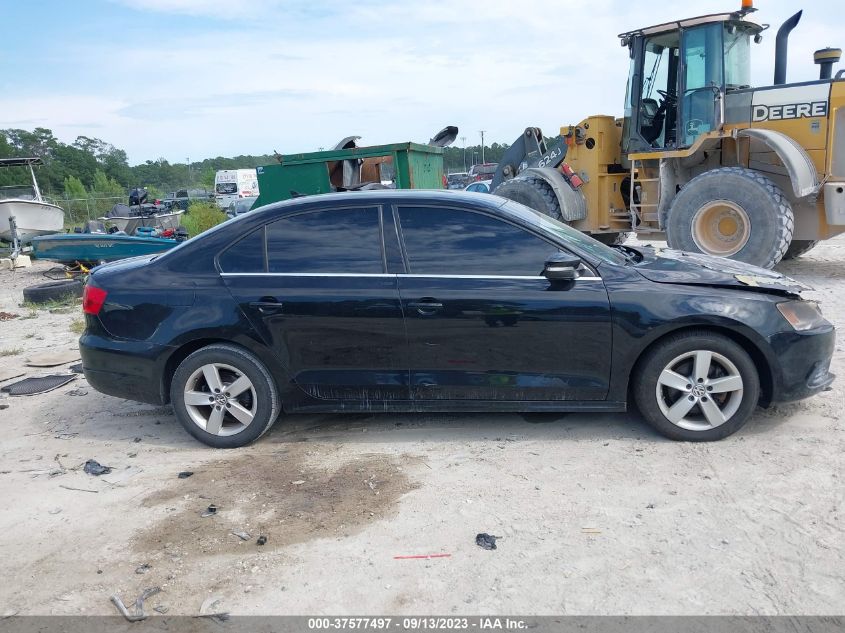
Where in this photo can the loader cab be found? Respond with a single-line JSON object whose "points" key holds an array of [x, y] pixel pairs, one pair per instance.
{"points": [[678, 78]]}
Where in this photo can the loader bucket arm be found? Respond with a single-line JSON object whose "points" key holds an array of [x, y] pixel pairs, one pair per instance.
{"points": [[529, 150]]}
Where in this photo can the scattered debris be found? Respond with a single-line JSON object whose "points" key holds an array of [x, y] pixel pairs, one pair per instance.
{"points": [[427, 556], [143, 569], [244, 536], [261, 540], [650, 506], [136, 440], [161, 609], [54, 511], [53, 359], [34, 386], [209, 511], [139, 605], [79, 489], [93, 467], [207, 604], [185, 474], [77, 392], [590, 530], [8, 316], [298, 482], [486, 541], [3, 405], [76, 369]]}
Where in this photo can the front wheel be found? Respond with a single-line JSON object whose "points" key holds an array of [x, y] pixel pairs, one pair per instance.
{"points": [[696, 386], [732, 212], [224, 396]]}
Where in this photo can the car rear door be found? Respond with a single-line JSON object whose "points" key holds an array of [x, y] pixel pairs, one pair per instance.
{"points": [[319, 295], [484, 324]]}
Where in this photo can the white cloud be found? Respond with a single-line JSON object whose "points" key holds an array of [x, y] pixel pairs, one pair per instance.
{"points": [[293, 81]]}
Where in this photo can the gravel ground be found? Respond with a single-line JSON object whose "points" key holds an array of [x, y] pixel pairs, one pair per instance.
{"points": [[596, 513]]}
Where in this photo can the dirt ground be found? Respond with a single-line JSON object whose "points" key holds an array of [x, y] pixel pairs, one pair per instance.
{"points": [[596, 513]]}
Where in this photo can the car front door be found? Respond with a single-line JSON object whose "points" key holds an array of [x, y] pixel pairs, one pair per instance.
{"points": [[320, 297], [482, 322]]}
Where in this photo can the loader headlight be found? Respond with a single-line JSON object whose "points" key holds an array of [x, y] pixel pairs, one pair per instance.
{"points": [[802, 315]]}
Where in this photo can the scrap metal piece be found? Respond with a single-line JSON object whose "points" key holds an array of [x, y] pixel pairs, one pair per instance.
{"points": [[139, 614]]}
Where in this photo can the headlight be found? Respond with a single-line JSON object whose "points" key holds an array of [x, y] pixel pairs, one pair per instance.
{"points": [[802, 315]]}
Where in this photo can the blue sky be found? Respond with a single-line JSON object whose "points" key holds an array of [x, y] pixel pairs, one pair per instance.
{"points": [[202, 78]]}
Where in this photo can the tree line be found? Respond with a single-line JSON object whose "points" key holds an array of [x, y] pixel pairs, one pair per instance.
{"points": [[92, 167]]}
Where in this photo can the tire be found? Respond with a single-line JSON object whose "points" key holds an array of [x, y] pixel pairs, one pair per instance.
{"points": [[533, 192], [701, 422], [738, 198], [799, 247], [53, 291], [257, 406]]}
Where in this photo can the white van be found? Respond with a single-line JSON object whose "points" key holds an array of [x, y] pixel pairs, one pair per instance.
{"points": [[232, 184]]}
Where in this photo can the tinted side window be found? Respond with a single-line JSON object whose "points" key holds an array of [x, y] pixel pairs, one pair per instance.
{"points": [[245, 255], [331, 241], [455, 242]]}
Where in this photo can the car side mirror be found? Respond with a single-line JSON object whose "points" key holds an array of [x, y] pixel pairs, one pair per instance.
{"points": [[561, 267]]}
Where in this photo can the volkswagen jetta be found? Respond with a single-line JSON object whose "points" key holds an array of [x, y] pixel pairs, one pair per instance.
{"points": [[442, 301]]}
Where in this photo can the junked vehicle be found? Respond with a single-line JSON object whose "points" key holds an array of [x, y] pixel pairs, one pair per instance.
{"points": [[479, 186], [443, 301], [238, 207]]}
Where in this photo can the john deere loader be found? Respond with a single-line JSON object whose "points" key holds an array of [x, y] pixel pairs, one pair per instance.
{"points": [[701, 158]]}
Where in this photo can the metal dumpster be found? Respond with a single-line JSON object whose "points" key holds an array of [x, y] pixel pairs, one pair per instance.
{"points": [[405, 165]]}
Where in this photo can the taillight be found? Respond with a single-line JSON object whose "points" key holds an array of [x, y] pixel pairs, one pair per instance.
{"points": [[93, 299]]}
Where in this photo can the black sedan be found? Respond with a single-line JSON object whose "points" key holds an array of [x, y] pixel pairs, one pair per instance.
{"points": [[443, 301]]}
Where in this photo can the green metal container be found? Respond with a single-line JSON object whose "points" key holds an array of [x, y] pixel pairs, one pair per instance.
{"points": [[415, 166]]}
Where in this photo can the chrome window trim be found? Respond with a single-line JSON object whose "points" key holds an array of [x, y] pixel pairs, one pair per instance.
{"points": [[417, 276]]}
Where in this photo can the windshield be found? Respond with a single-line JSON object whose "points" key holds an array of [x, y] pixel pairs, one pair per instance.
{"points": [[19, 192], [226, 187], [566, 234]]}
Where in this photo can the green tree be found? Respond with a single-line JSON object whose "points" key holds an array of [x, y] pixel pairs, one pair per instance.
{"points": [[75, 202], [74, 188], [105, 192]]}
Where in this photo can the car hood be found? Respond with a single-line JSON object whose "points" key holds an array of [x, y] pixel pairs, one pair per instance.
{"points": [[669, 266]]}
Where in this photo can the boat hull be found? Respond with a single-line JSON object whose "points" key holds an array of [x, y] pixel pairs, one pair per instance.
{"points": [[33, 217], [93, 248]]}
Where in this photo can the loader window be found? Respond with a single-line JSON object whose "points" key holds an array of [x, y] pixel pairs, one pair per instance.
{"points": [[737, 59], [658, 91]]}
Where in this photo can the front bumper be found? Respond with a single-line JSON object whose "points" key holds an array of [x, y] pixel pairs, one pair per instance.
{"points": [[126, 369], [804, 363]]}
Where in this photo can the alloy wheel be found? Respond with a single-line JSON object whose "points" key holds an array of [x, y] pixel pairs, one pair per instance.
{"points": [[699, 390], [220, 399]]}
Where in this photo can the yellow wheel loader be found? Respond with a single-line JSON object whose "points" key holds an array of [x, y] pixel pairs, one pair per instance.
{"points": [[701, 158]]}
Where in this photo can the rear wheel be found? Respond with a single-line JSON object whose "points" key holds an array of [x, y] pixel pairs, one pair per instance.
{"points": [[732, 212], [696, 386], [224, 396], [799, 247]]}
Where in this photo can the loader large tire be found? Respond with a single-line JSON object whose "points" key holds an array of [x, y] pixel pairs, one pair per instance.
{"points": [[732, 212], [799, 247], [533, 192]]}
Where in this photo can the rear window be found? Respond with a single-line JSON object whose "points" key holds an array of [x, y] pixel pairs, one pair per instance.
{"points": [[488, 169], [226, 187], [245, 255]]}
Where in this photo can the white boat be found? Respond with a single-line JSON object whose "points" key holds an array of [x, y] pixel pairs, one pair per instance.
{"points": [[130, 223], [33, 215]]}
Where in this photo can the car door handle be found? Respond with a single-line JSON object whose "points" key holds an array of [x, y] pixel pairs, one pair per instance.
{"points": [[267, 305], [426, 306]]}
